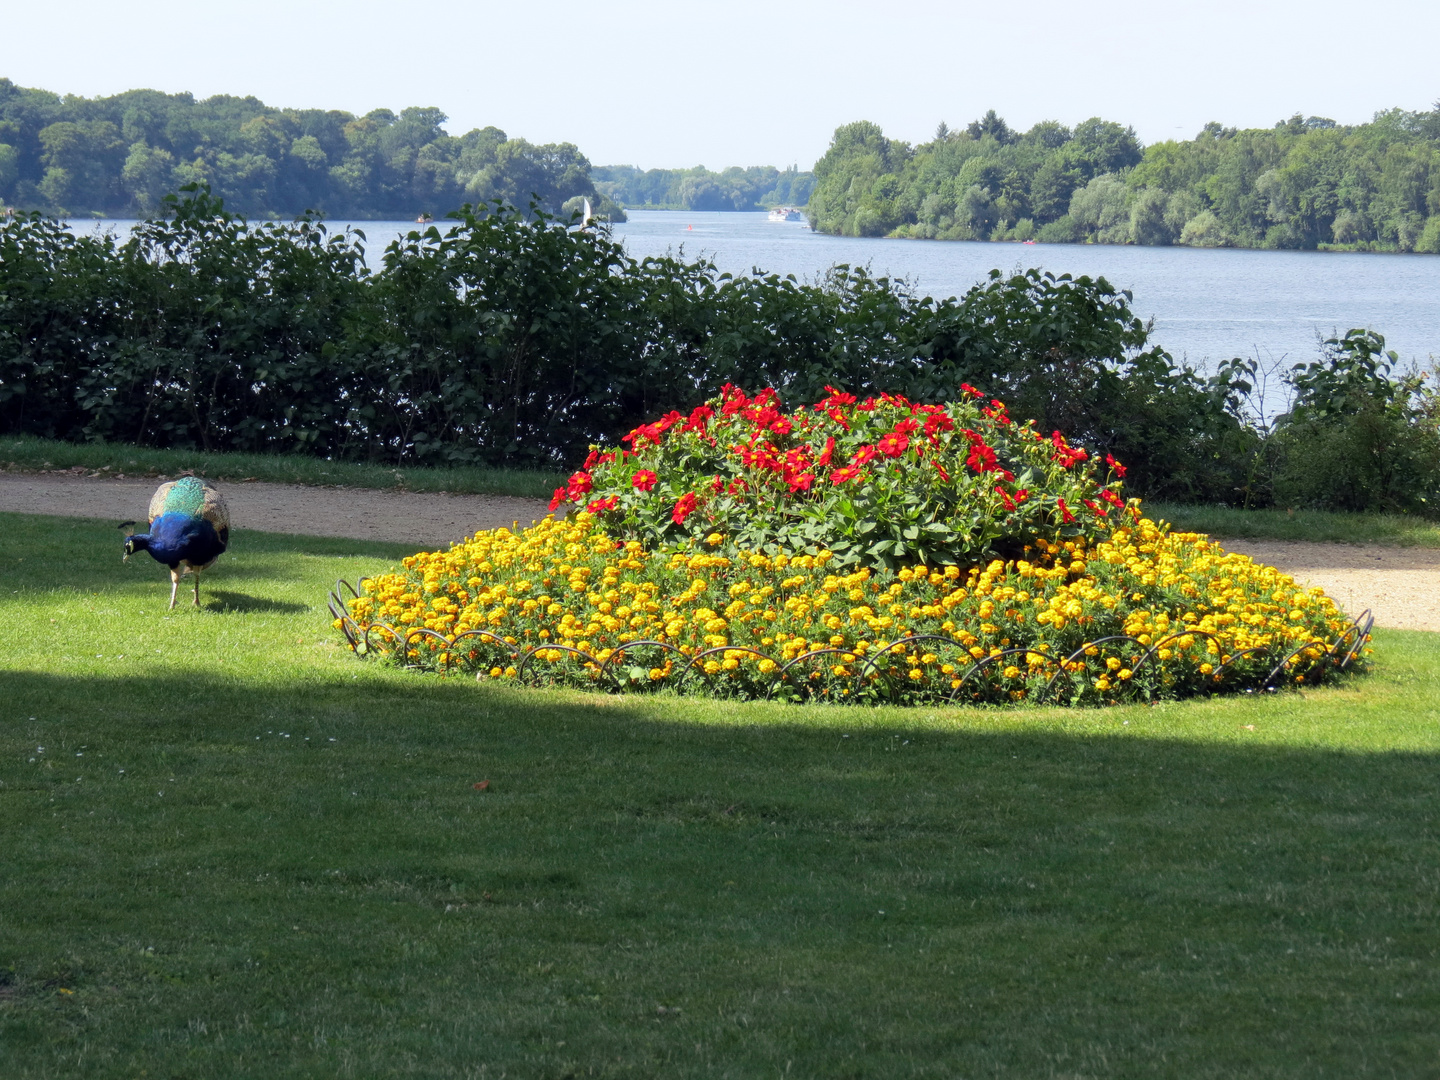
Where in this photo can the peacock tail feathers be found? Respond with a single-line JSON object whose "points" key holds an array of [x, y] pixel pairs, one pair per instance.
{"points": [[194, 498]]}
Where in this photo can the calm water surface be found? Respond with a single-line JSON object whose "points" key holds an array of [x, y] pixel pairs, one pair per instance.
{"points": [[1207, 304]]}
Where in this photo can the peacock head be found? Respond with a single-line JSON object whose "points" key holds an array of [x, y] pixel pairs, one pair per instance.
{"points": [[133, 541]]}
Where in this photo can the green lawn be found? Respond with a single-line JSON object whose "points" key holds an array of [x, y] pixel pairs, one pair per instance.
{"points": [[1344, 528], [23, 453], [242, 852]]}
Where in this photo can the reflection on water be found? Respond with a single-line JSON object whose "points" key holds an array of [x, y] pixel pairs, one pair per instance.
{"points": [[1207, 304]]}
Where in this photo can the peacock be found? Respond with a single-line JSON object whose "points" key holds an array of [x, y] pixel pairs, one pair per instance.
{"points": [[189, 529]]}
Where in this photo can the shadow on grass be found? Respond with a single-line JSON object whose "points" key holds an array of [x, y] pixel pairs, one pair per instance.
{"points": [[860, 891], [219, 600]]}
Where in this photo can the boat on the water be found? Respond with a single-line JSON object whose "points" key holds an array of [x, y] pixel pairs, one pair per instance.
{"points": [[786, 213]]}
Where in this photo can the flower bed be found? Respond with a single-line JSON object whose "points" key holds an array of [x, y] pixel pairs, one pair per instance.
{"points": [[856, 550], [1134, 612], [877, 482]]}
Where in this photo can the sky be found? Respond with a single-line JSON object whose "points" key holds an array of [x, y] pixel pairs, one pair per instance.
{"points": [[745, 82]]}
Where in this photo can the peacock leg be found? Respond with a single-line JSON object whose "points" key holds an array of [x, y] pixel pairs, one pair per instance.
{"points": [[174, 586], [197, 587]]}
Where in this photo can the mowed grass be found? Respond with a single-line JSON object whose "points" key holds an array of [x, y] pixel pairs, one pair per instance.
{"points": [[244, 852], [23, 453], [1320, 525]]}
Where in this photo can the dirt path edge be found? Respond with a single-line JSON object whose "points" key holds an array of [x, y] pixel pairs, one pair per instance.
{"points": [[1400, 585]]}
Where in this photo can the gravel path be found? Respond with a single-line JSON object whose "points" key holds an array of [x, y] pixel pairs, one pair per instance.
{"points": [[1400, 585], [424, 519]]}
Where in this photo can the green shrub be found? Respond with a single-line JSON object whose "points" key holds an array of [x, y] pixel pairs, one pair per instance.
{"points": [[1356, 437], [517, 339]]}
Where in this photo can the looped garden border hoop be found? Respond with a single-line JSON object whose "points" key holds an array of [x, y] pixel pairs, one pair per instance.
{"points": [[981, 665], [1339, 653], [1064, 664], [618, 654]]}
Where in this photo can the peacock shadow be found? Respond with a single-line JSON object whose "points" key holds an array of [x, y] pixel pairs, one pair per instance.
{"points": [[222, 601]]}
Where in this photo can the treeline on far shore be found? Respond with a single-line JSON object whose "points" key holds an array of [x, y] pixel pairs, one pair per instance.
{"points": [[756, 188], [518, 339], [120, 155], [1305, 183]]}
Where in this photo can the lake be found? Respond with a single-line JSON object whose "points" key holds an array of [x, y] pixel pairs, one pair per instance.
{"points": [[1207, 304]]}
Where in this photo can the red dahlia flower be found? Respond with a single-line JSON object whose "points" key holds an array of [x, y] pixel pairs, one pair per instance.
{"points": [[580, 483], [609, 502], [1066, 454], [836, 399], [937, 422], [894, 444], [981, 457], [644, 480], [698, 419], [684, 507]]}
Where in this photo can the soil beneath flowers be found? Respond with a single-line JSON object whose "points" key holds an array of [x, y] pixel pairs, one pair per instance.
{"points": [[1399, 584]]}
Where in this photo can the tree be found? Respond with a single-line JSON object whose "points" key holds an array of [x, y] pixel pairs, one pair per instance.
{"points": [[991, 126], [147, 176]]}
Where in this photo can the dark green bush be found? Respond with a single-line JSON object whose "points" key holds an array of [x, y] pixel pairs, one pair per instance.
{"points": [[512, 337]]}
